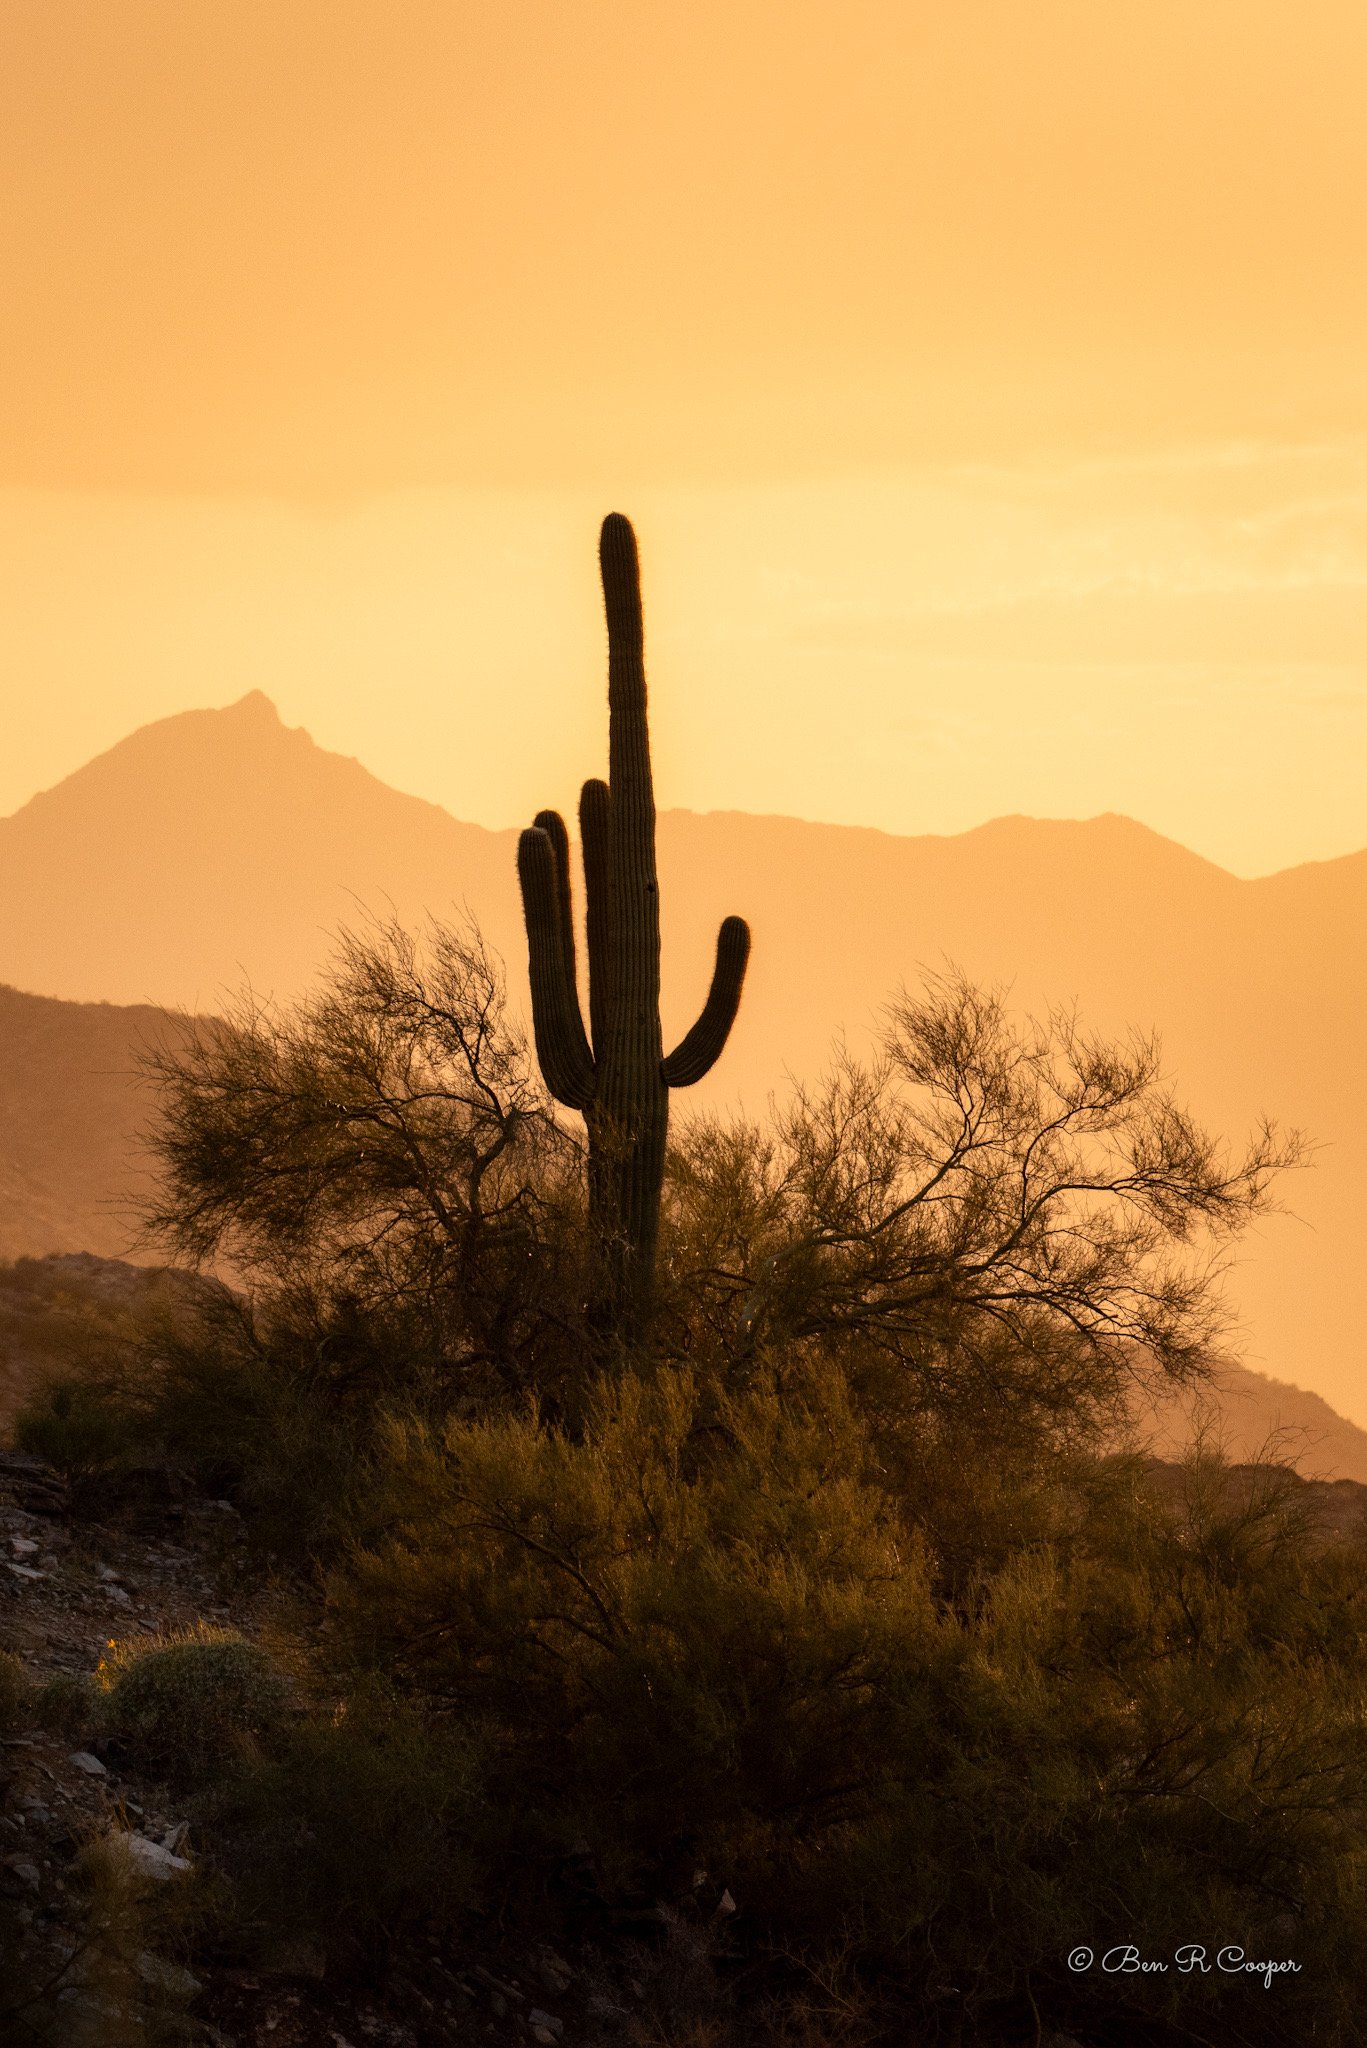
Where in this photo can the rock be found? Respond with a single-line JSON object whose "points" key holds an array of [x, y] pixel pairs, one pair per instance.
{"points": [[86, 2002], [23, 1546], [26, 1571], [543, 2037], [155, 1970], [493, 1983], [148, 1858], [35, 1486], [91, 1765], [725, 1905], [545, 2023], [25, 1870]]}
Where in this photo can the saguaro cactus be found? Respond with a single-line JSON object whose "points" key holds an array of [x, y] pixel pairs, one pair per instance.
{"points": [[615, 1073]]}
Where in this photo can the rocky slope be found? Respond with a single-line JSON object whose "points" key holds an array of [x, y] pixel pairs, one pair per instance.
{"points": [[83, 1831]]}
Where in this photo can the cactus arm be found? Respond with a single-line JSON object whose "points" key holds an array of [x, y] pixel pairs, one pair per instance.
{"points": [[553, 825], [561, 1046], [595, 839], [698, 1051]]}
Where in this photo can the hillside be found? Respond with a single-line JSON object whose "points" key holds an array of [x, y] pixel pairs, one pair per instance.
{"points": [[218, 846], [72, 1114], [1250, 1416]]}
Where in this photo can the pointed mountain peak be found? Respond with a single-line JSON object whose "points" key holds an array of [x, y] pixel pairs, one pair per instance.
{"points": [[256, 706]]}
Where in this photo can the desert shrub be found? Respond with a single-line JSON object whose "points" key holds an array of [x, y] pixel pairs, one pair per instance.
{"points": [[67, 1703], [262, 1403], [358, 1824], [709, 1625], [644, 1604], [273, 1404], [185, 1701], [72, 1423]]}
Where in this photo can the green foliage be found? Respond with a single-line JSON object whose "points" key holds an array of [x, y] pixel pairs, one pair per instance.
{"points": [[67, 1703], [183, 1702], [274, 1403], [841, 1593], [356, 1825], [994, 1229], [70, 1424], [710, 1619], [647, 1609]]}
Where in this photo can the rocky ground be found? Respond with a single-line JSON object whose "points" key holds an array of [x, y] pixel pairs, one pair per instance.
{"points": [[68, 1804]]}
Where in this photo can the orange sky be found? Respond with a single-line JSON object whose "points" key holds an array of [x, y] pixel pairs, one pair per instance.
{"points": [[987, 380]]}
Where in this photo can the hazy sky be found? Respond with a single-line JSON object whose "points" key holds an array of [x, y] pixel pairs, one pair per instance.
{"points": [[987, 380]]}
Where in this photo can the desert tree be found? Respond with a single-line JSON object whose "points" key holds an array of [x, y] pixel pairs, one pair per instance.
{"points": [[387, 1142], [1001, 1215]]}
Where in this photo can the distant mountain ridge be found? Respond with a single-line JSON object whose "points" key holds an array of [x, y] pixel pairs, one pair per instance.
{"points": [[1252, 1416], [220, 846], [73, 1116]]}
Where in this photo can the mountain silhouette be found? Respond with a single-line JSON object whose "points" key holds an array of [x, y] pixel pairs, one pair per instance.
{"points": [[73, 1112], [220, 846]]}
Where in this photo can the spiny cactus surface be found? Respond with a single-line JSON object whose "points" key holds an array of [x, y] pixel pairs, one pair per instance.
{"points": [[615, 1072]]}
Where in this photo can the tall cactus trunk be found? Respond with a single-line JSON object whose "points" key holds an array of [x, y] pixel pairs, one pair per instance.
{"points": [[619, 1080], [631, 1117]]}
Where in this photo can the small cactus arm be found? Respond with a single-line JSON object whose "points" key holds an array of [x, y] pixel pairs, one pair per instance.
{"points": [[615, 1073]]}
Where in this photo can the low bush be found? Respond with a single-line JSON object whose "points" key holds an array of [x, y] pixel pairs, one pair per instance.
{"points": [[67, 1703], [646, 1605], [74, 1426], [185, 1701], [708, 1633], [359, 1823]]}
